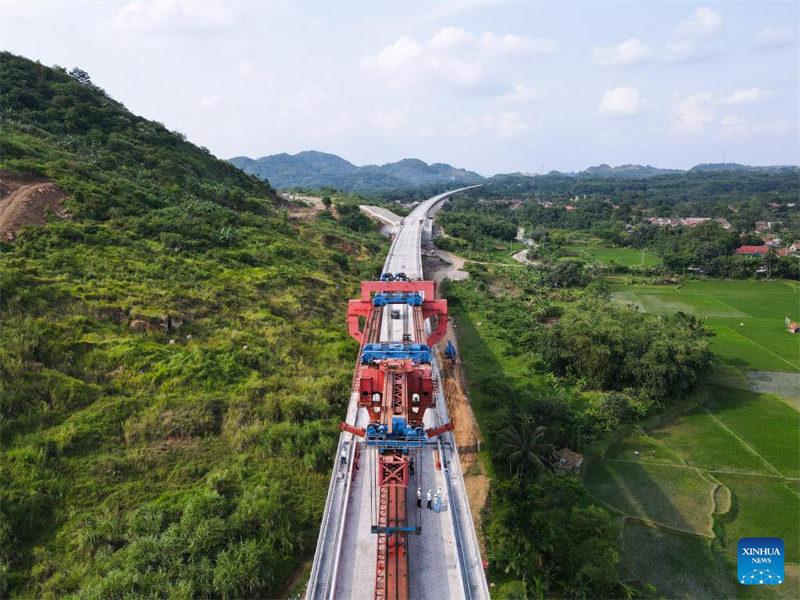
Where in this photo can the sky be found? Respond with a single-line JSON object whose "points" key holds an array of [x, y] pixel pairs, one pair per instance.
{"points": [[494, 87]]}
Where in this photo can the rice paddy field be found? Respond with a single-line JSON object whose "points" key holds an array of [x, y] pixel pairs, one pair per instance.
{"points": [[699, 439], [678, 498], [742, 444], [763, 509], [682, 566], [692, 487], [761, 422], [747, 316]]}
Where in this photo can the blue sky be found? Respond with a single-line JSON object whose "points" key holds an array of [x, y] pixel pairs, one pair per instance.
{"points": [[489, 86]]}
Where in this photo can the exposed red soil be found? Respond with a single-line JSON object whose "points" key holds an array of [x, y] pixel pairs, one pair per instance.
{"points": [[24, 201]]}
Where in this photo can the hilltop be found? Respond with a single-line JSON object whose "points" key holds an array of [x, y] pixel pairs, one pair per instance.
{"points": [[311, 169], [604, 171], [316, 170], [173, 355]]}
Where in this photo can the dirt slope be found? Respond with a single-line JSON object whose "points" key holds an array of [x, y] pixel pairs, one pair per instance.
{"points": [[27, 202], [467, 434]]}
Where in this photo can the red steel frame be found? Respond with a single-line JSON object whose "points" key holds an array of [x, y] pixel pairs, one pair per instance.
{"points": [[430, 308]]}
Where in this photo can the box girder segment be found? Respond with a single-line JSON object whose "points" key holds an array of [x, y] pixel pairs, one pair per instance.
{"points": [[391, 572]]}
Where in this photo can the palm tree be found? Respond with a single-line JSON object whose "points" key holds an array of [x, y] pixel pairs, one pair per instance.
{"points": [[521, 444]]}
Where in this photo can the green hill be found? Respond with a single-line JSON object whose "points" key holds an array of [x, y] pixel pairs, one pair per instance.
{"points": [[311, 169], [173, 357]]}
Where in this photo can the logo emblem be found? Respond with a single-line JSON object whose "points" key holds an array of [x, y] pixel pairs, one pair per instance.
{"points": [[761, 561]]}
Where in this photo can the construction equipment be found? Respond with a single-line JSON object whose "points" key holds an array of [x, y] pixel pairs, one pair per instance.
{"points": [[395, 385], [450, 351]]}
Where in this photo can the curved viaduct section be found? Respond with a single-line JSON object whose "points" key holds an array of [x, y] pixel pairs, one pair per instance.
{"points": [[440, 554]]}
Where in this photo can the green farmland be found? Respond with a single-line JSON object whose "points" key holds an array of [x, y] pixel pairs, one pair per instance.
{"points": [[626, 257], [748, 317], [692, 487]]}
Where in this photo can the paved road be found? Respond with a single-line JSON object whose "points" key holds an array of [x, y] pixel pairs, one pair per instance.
{"points": [[382, 214], [404, 255]]}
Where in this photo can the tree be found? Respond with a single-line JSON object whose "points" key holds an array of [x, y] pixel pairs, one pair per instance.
{"points": [[523, 447], [568, 273], [615, 348], [326, 201], [81, 75]]}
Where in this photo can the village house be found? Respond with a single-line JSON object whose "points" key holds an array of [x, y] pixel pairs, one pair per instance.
{"points": [[687, 221], [760, 251], [568, 461]]}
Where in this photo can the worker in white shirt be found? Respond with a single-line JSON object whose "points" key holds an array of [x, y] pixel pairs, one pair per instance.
{"points": [[419, 497], [430, 500]]}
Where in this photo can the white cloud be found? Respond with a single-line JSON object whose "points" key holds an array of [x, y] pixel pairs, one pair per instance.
{"points": [[452, 54], [397, 63], [693, 114], [703, 22], [458, 72], [774, 37], [403, 51], [629, 52], [451, 38], [751, 96], [520, 94], [686, 50], [623, 102], [171, 16]]}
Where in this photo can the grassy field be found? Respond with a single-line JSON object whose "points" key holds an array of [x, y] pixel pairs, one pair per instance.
{"points": [[733, 462], [679, 566], [748, 317], [702, 442], [627, 257], [763, 508], [675, 497], [625, 448], [763, 422]]}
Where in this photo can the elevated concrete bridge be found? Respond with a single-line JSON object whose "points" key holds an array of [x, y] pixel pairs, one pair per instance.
{"points": [[444, 559]]}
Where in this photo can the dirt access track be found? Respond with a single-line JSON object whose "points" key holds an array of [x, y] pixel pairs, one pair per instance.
{"points": [[27, 201]]}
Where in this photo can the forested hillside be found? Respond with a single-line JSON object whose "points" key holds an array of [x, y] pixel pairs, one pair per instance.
{"points": [[317, 170], [173, 358]]}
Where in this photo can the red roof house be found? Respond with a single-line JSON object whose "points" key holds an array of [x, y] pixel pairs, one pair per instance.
{"points": [[752, 251]]}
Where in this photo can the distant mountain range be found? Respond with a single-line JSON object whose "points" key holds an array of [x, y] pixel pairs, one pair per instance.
{"points": [[645, 171], [311, 169]]}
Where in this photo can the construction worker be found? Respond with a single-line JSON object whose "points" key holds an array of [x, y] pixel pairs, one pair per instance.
{"points": [[344, 456], [419, 497], [411, 466], [430, 500]]}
